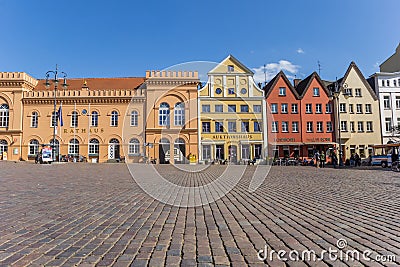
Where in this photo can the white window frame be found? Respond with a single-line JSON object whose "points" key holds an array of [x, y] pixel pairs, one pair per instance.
{"points": [[285, 127], [93, 148], [295, 109], [295, 126], [310, 127], [134, 147], [320, 127], [4, 115], [275, 127], [284, 108], [308, 108], [94, 119], [34, 119], [179, 114], [134, 118], [318, 108]]}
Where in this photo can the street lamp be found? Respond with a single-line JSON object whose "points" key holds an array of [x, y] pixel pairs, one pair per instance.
{"points": [[339, 89], [55, 81]]}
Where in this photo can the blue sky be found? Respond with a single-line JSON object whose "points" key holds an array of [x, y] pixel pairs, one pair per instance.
{"points": [[125, 38]]}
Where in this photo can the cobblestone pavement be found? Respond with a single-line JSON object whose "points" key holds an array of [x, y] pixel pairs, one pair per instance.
{"points": [[95, 214]]}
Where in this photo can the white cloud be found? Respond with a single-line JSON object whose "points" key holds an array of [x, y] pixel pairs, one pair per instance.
{"points": [[272, 69], [300, 51]]}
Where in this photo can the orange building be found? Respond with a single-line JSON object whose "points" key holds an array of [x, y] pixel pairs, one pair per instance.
{"points": [[317, 117], [284, 122], [95, 111], [171, 121]]}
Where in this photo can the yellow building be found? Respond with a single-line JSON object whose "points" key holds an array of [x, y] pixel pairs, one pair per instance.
{"points": [[171, 121], [13, 86], [231, 112], [359, 114], [94, 113]]}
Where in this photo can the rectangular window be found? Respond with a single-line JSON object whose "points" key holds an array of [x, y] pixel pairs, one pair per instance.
{"points": [[219, 127], [369, 126], [343, 126], [309, 127], [358, 92], [316, 91], [295, 126], [329, 127], [244, 108], [352, 127], [351, 110], [359, 108], [360, 127], [284, 108], [386, 102], [245, 151], [219, 108], [205, 108], [308, 108], [383, 83], [342, 107], [257, 126], [361, 150], [398, 124], [245, 127], [231, 91], [231, 68], [207, 152], [397, 102], [232, 126], [388, 124], [274, 108], [348, 91], [318, 108], [368, 108], [257, 108], [54, 119], [274, 127], [328, 108], [206, 127], [34, 120], [320, 126], [282, 91], [285, 127], [231, 108], [294, 108]]}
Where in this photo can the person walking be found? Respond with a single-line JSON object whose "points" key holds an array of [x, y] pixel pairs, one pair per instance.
{"points": [[334, 159], [322, 159], [317, 159]]}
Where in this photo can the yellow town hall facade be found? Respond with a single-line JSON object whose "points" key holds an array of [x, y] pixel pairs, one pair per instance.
{"points": [[94, 112]]}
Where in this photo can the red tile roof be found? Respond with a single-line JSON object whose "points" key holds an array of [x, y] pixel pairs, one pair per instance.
{"points": [[95, 83]]}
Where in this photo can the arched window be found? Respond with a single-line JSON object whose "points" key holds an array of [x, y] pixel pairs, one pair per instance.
{"points": [[179, 114], [33, 147], [74, 119], [134, 146], [3, 146], [34, 119], [163, 114], [93, 146], [134, 118], [73, 147], [114, 119], [4, 115], [94, 122]]}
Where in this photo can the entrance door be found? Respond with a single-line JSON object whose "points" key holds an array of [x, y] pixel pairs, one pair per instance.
{"points": [[3, 147], [219, 152], [113, 149], [179, 151], [232, 153], [164, 151]]}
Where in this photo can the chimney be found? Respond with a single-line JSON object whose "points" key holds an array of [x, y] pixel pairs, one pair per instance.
{"points": [[296, 82]]}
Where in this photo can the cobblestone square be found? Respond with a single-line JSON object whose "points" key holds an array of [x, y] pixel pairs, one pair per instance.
{"points": [[79, 214]]}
